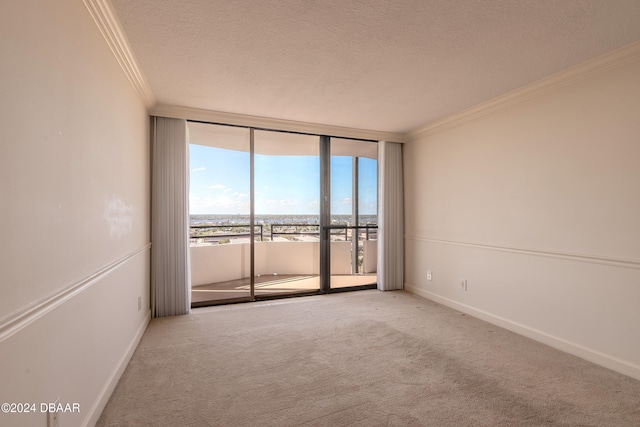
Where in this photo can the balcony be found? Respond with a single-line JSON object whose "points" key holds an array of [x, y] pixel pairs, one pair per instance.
{"points": [[286, 260]]}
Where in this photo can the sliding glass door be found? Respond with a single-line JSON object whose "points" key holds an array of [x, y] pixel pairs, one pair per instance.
{"points": [[219, 207], [354, 219], [287, 193], [272, 216]]}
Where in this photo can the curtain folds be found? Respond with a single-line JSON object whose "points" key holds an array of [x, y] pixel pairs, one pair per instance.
{"points": [[170, 269], [390, 217]]}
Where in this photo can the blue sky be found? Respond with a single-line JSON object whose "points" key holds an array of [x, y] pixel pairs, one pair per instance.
{"points": [[219, 183]]}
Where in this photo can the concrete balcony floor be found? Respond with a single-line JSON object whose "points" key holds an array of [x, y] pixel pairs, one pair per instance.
{"points": [[270, 284]]}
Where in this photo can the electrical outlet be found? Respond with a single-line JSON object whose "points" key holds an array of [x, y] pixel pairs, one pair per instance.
{"points": [[139, 303], [463, 284], [53, 419], [428, 274]]}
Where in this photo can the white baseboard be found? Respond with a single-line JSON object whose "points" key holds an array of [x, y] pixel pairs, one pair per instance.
{"points": [[98, 406], [626, 368]]}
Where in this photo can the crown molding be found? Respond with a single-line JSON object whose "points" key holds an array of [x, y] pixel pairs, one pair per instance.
{"points": [[105, 18], [608, 61], [220, 117]]}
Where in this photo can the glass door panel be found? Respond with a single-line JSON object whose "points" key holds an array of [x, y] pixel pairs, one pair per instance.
{"points": [[287, 192], [219, 208], [354, 219], [246, 182]]}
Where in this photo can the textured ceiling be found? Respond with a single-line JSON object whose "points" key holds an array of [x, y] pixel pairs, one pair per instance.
{"points": [[368, 64]]}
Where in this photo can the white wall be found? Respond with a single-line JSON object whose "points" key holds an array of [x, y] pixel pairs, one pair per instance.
{"points": [[300, 257], [74, 203], [370, 256], [219, 263], [537, 206]]}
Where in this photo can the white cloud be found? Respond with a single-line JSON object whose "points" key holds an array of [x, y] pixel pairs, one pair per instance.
{"points": [[199, 169], [217, 186]]}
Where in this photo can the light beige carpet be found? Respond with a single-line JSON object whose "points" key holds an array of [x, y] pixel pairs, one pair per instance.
{"points": [[365, 358]]}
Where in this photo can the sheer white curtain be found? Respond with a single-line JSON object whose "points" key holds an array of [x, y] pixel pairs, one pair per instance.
{"points": [[390, 217], [170, 270]]}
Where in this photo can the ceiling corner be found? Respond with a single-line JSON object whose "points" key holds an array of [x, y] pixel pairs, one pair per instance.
{"points": [[105, 19]]}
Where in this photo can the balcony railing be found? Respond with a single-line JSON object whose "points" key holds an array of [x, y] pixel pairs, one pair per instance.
{"points": [[194, 233], [353, 250], [287, 230], [358, 229], [279, 229]]}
